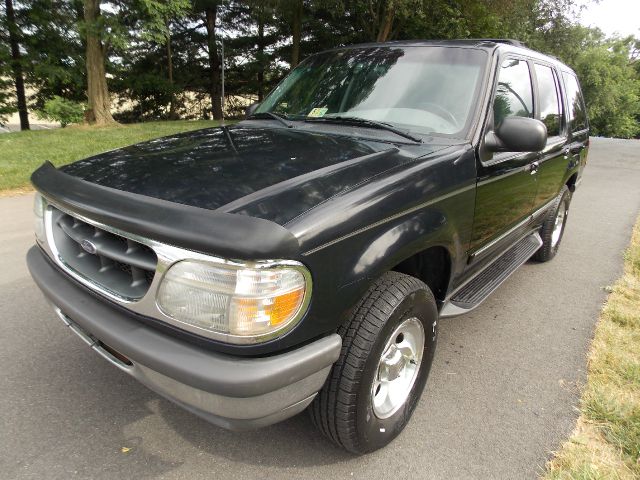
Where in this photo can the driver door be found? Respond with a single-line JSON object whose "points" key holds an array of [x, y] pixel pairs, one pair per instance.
{"points": [[506, 184]]}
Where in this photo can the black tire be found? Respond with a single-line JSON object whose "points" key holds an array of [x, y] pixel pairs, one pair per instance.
{"points": [[343, 409], [549, 249]]}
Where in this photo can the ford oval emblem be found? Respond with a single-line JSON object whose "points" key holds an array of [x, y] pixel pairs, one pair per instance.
{"points": [[88, 246]]}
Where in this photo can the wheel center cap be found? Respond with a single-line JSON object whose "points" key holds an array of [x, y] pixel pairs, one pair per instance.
{"points": [[395, 363]]}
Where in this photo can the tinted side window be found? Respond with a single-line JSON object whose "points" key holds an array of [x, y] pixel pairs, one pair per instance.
{"points": [[549, 99], [514, 96], [577, 111]]}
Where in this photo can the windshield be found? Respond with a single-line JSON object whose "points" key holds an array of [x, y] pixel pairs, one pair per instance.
{"points": [[420, 89]]}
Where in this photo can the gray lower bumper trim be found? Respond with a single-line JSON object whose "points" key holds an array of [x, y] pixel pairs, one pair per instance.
{"points": [[232, 392], [236, 413]]}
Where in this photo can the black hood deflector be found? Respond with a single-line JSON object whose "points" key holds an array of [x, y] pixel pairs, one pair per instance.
{"points": [[222, 234]]}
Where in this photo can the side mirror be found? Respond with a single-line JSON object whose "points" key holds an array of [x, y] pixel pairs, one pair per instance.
{"points": [[517, 134], [251, 108]]}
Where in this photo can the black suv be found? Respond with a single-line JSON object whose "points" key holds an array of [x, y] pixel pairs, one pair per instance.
{"points": [[302, 257]]}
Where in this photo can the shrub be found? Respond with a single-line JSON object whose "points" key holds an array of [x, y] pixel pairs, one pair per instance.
{"points": [[61, 110]]}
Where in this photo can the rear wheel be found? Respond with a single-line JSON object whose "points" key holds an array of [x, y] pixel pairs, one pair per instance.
{"points": [[387, 352], [553, 227]]}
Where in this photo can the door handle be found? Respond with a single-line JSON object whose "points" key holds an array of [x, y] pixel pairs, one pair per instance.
{"points": [[533, 168]]}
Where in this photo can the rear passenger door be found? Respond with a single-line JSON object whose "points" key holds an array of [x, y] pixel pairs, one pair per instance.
{"points": [[577, 120], [554, 159]]}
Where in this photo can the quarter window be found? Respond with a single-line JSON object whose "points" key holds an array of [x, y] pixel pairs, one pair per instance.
{"points": [[514, 95], [549, 100], [577, 111]]}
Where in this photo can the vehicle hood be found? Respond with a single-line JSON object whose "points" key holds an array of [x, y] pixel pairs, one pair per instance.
{"points": [[272, 173]]}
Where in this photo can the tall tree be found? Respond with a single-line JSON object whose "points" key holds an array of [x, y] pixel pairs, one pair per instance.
{"points": [[261, 45], [16, 64], [156, 18], [381, 20], [250, 49], [173, 115], [54, 51], [297, 11], [210, 10], [384, 30], [99, 109], [7, 100], [611, 87], [264, 31]]}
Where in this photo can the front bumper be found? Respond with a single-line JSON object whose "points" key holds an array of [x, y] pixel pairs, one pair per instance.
{"points": [[233, 392]]}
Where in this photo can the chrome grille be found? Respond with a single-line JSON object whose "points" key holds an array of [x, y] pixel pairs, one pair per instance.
{"points": [[112, 262]]}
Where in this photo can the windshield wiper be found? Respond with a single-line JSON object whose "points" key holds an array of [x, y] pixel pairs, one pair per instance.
{"points": [[270, 116], [365, 123]]}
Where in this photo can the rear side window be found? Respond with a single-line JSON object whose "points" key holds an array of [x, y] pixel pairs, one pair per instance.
{"points": [[577, 110], [514, 95], [549, 99]]}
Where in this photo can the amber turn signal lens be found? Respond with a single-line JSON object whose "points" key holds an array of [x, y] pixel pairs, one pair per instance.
{"points": [[263, 314], [285, 306]]}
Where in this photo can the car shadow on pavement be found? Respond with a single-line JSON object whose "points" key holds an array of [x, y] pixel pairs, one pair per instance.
{"points": [[101, 413], [292, 443]]}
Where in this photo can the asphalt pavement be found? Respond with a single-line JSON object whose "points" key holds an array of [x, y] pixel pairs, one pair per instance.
{"points": [[501, 395]]}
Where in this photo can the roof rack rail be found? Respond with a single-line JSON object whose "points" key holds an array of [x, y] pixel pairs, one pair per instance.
{"points": [[508, 41]]}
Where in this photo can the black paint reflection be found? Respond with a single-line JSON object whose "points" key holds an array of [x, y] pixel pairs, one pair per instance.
{"points": [[211, 168]]}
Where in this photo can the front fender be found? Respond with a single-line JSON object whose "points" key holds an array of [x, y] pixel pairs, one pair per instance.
{"points": [[344, 267], [402, 240]]}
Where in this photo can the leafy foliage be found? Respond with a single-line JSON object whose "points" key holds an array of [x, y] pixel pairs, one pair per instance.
{"points": [[611, 88], [61, 110], [158, 63], [54, 60]]}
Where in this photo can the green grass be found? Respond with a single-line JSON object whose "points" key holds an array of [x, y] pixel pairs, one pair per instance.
{"points": [[606, 442], [22, 152]]}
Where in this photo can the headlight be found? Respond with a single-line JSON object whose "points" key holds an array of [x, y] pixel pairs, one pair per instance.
{"points": [[39, 206], [247, 304]]}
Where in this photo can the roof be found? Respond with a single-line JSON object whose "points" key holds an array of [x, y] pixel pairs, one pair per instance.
{"points": [[489, 44]]}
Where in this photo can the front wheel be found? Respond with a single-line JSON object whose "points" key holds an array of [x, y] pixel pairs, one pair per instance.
{"points": [[387, 352], [553, 227]]}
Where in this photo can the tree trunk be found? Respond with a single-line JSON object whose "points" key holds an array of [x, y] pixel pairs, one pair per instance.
{"points": [[16, 65], [387, 23], [214, 62], [99, 109], [261, 52], [173, 115], [296, 32]]}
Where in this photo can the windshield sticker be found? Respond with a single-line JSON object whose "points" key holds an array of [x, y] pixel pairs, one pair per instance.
{"points": [[318, 112]]}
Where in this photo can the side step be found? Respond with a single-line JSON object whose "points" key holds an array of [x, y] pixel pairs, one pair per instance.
{"points": [[474, 292]]}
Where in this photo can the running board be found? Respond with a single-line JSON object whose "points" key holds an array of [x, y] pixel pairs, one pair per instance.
{"points": [[474, 292]]}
